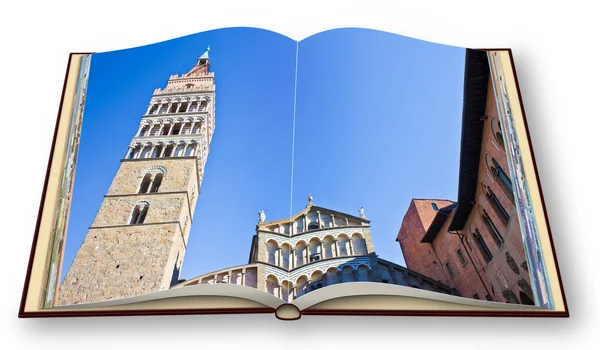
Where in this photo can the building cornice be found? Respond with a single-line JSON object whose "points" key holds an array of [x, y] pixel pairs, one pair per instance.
{"points": [[167, 118], [165, 139]]}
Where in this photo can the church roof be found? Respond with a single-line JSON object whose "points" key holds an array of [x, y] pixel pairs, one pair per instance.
{"points": [[311, 207]]}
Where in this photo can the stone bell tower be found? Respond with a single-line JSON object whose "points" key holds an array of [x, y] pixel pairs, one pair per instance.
{"points": [[139, 236]]}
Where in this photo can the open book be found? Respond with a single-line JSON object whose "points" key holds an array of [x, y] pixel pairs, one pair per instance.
{"points": [[355, 172]]}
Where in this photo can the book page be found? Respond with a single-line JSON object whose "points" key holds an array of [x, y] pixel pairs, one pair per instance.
{"points": [[163, 176], [402, 172]]}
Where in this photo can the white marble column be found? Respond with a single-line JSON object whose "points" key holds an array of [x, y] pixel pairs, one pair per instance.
{"points": [[139, 131], [336, 249], [151, 151], [129, 149], [163, 150]]}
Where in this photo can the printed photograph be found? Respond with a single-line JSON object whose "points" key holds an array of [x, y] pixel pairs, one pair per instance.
{"points": [[352, 156]]}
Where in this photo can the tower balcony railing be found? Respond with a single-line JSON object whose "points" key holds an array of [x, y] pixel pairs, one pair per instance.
{"points": [[181, 90], [202, 109], [185, 76], [156, 136]]}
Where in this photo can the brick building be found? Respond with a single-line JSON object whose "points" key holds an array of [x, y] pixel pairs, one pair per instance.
{"points": [[474, 244]]}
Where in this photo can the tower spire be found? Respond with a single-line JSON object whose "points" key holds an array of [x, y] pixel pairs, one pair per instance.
{"points": [[205, 54]]}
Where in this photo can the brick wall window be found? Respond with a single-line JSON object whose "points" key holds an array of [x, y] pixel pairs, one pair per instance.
{"points": [[450, 271], [497, 131], [502, 176], [461, 257], [483, 248], [495, 233], [502, 213]]}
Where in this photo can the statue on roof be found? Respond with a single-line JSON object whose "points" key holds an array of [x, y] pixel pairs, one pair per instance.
{"points": [[262, 216], [361, 212]]}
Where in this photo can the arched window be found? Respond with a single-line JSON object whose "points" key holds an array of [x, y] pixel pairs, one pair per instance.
{"points": [[497, 131], [495, 233], [156, 182], [483, 248], [301, 285], [501, 175], [139, 213], [332, 276], [359, 245], [314, 249], [313, 226], [502, 213], [363, 273], [273, 285], [271, 252], [145, 183], [347, 274], [343, 245], [316, 280]]}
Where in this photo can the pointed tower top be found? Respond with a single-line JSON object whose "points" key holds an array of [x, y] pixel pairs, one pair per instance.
{"points": [[205, 54]]}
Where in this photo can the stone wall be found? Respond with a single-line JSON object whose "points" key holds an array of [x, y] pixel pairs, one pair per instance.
{"points": [[120, 262]]}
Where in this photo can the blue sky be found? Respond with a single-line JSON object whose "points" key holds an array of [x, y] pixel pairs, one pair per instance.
{"points": [[377, 122]]}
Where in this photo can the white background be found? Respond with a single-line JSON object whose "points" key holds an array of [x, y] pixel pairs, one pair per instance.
{"points": [[556, 54]]}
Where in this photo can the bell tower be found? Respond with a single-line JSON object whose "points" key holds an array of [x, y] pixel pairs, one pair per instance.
{"points": [[138, 239]]}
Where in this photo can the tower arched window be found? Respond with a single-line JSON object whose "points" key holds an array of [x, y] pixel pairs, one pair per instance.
{"points": [[152, 179], [145, 183], [139, 213], [156, 182]]}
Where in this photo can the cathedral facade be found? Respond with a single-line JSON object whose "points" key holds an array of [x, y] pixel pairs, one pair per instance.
{"points": [[314, 248], [138, 239]]}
